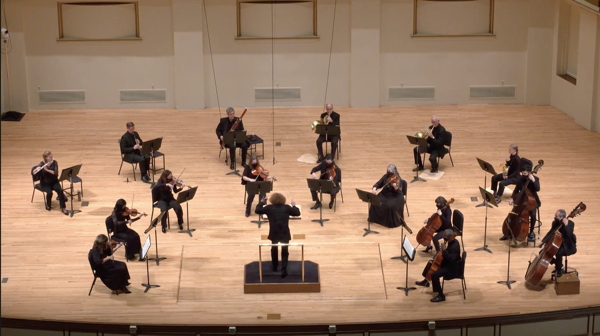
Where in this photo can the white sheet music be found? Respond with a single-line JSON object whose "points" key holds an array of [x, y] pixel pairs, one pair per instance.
{"points": [[146, 247], [408, 248]]}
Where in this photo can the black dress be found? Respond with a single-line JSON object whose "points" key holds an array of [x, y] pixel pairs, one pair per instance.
{"points": [[133, 244], [392, 201], [113, 273]]}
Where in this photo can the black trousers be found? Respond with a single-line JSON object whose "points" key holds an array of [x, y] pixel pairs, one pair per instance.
{"points": [[558, 259], [532, 219], [164, 206], [315, 195], [144, 162], [330, 138], [284, 254], [244, 146], [439, 235], [250, 200], [56, 187], [435, 279], [499, 179], [433, 155]]}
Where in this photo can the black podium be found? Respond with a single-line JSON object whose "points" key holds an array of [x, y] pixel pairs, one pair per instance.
{"points": [[149, 147], [328, 130], [320, 186], [487, 168], [259, 187], [184, 197], [232, 139], [370, 199], [68, 174], [413, 140]]}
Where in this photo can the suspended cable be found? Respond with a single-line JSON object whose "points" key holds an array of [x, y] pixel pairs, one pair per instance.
{"points": [[211, 57], [330, 53], [273, 76]]}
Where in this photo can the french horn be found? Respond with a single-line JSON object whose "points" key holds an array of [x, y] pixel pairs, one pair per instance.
{"points": [[322, 121]]}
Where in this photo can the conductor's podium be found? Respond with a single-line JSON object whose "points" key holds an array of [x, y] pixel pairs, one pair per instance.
{"points": [[260, 278]]}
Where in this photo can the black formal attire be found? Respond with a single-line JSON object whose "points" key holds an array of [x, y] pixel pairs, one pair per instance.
{"points": [[134, 155], [435, 147], [225, 126], [514, 164], [533, 187], [163, 194], [113, 273], [49, 182], [279, 229], [131, 238], [569, 242], [248, 173], [450, 267], [321, 170], [392, 202], [335, 117], [446, 218]]}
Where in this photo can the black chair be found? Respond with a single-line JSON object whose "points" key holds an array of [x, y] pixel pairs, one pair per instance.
{"points": [[405, 193], [461, 276], [76, 179], [36, 186], [153, 156], [458, 221], [227, 153], [133, 164], [447, 147], [95, 274], [108, 222], [155, 199]]}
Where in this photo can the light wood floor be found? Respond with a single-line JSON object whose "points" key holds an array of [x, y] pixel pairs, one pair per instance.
{"points": [[44, 254]]}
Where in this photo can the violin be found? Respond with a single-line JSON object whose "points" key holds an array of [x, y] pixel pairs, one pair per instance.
{"points": [[133, 212], [433, 224], [260, 171], [393, 178]]}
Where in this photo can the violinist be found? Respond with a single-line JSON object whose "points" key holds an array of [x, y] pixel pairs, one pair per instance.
{"points": [[326, 170], [445, 213], [225, 125], [131, 145], [333, 119], [164, 189], [513, 162], [121, 216], [435, 145], [389, 192], [113, 273], [47, 171], [254, 173], [533, 186], [569, 240], [450, 267]]}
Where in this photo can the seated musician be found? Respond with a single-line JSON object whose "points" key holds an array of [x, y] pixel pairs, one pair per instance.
{"points": [[120, 218], [165, 187], [333, 118], [113, 273], [224, 126], [513, 162], [449, 269], [446, 217], [252, 174], [326, 171], [569, 240], [533, 186], [435, 146], [48, 176], [131, 145], [391, 198]]}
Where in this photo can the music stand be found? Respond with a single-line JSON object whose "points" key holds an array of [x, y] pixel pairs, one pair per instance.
{"points": [[148, 148], [327, 130], [402, 256], [259, 187], [507, 282], [487, 196], [369, 198], [144, 255], [233, 139], [67, 174], [153, 224], [413, 140], [410, 253], [486, 168], [184, 197], [322, 186]]}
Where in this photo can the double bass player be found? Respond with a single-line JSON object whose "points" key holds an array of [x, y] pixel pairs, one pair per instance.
{"points": [[569, 240]]}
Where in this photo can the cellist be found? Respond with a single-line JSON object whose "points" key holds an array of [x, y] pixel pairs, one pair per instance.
{"points": [[569, 240], [225, 125], [533, 186], [252, 174], [450, 267], [446, 216]]}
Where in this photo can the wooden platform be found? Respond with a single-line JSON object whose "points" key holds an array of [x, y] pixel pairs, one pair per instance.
{"points": [[44, 254]]}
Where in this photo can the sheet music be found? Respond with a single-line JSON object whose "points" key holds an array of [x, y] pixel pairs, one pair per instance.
{"points": [[408, 248], [146, 247]]}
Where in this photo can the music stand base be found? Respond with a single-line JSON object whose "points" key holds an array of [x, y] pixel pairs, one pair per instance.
{"points": [[367, 231], [148, 286], [483, 248], [320, 221], [402, 257], [417, 178], [484, 203], [158, 259], [235, 172], [259, 222], [507, 282], [188, 231], [72, 212], [406, 289]]}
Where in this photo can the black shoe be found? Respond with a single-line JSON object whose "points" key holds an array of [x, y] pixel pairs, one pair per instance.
{"points": [[124, 290], [180, 226], [48, 207], [65, 212], [284, 273], [164, 230], [498, 200], [320, 159], [531, 237], [503, 238], [429, 248], [423, 283], [438, 298], [141, 259], [433, 171], [232, 165], [247, 214], [417, 169], [559, 273], [316, 206], [331, 205], [146, 179]]}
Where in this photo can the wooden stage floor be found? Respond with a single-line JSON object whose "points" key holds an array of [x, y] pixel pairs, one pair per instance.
{"points": [[44, 254]]}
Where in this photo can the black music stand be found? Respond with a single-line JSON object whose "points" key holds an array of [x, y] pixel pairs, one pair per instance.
{"points": [[184, 197], [233, 139], [327, 130], [259, 187], [68, 174], [144, 255], [410, 254], [413, 140], [402, 256], [153, 224], [507, 282], [322, 186], [489, 198], [369, 198], [148, 148], [489, 169]]}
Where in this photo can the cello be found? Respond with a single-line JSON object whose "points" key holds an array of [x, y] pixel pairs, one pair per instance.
{"points": [[433, 224], [552, 242], [516, 224], [435, 263]]}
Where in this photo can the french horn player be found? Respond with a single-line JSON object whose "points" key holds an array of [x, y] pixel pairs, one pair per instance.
{"points": [[329, 117], [435, 136], [510, 172]]}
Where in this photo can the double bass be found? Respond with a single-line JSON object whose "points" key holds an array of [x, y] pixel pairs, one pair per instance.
{"points": [[516, 224], [552, 242], [433, 224]]}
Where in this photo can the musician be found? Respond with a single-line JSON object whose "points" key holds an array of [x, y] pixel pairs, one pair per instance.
{"points": [[131, 145], [435, 145], [514, 163], [446, 217], [120, 218], [569, 240], [333, 118], [391, 198], [48, 176], [113, 273], [449, 268], [165, 187], [252, 174], [225, 125], [279, 231], [534, 187], [324, 171]]}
